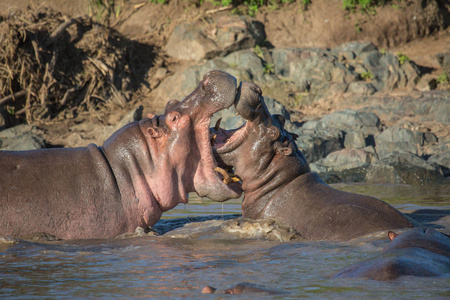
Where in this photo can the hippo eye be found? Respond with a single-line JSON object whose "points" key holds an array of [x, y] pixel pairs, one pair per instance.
{"points": [[274, 133]]}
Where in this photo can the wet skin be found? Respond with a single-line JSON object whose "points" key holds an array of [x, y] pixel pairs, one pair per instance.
{"points": [[142, 170], [417, 252], [278, 183]]}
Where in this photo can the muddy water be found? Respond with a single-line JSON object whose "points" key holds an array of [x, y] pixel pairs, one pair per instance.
{"points": [[164, 266]]}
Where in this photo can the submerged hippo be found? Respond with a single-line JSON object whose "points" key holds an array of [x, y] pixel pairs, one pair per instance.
{"points": [[417, 252], [142, 170], [278, 183]]}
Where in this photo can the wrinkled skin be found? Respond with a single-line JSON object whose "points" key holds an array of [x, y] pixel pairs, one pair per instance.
{"points": [[142, 170], [278, 183], [417, 252]]}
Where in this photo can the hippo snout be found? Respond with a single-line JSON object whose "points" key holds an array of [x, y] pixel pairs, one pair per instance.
{"points": [[215, 92], [248, 100]]}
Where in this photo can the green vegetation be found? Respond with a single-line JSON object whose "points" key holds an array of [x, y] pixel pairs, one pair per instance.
{"points": [[402, 58], [442, 79], [258, 51], [366, 76], [363, 4], [104, 8], [269, 68]]}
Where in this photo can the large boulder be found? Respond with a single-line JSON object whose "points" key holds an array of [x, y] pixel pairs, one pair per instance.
{"points": [[217, 37], [345, 165], [401, 139], [404, 168], [347, 121], [318, 144]]}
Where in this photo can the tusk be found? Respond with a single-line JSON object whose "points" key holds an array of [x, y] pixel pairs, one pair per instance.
{"points": [[237, 114], [235, 179], [217, 126], [226, 177], [213, 139]]}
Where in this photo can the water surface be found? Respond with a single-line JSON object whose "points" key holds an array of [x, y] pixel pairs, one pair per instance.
{"points": [[160, 266]]}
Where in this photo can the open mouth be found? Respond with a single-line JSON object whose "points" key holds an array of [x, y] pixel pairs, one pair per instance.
{"points": [[224, 142]]}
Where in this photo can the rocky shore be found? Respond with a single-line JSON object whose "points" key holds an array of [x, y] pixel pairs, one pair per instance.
{"points": [[363, 113]]}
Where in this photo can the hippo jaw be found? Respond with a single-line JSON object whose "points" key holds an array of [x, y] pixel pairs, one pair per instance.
{"points": [[208, 180], [252, 151], [217, 91]]}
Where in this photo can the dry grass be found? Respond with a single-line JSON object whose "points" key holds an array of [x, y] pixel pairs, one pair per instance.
{"points": [[53, 66]]}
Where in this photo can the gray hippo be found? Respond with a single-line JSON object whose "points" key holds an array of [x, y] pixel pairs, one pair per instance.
{"points": [[142, 170], [278, 183], [417, 252], [246, 288]]}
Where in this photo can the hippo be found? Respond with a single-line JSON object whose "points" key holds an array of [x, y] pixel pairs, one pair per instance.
{"points": [[246, 288], [416, 252], [142, 170], [278, 183]]}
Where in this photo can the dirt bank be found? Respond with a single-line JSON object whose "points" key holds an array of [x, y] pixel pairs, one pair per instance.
{"points": [[96, 73]]}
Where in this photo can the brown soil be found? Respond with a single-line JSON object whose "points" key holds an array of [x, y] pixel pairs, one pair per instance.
{"points": [[133, 43]]}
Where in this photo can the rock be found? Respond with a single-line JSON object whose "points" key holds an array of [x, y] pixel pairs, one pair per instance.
{"points": [[444, 61], [362, 88], [189, 42], [231, 121], [238, 32], [228, 33], [3, 119], [355, 48], [399, 139], [404, 168], [21, 137], [208, 290], [432, 106], [426, 83], [355, 140], [319, 69], [277, 108], [346, 121], [348, 165], [318, 144], [134, 115], [246, 60], [85, 133], [442, 160]]}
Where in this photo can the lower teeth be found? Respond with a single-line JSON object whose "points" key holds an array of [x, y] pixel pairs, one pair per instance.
{"points": [[227, 178]]}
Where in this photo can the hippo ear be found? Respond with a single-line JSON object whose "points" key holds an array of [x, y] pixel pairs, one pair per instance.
{"points": [[153, 132], [391, 235], [284, 151]]}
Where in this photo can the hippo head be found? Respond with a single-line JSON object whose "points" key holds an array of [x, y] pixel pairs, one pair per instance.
{"points": [[425, 238], [261, 152], [180, 145]]}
